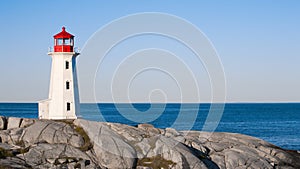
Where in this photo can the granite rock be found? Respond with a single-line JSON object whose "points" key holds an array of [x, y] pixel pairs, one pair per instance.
{"points": [[32, 143]]}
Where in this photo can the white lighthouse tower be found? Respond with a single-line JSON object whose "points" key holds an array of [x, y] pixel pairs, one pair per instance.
{"points": [[63, 101]]}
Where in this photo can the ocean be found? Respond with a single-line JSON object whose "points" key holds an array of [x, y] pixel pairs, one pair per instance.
{"points": [[278, 123]]}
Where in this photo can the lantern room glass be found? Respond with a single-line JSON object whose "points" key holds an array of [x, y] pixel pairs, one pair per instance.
{"points": [[67, 41], [59, 41], [62, 42]]}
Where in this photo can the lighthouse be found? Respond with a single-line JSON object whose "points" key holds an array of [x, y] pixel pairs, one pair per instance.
{"points": [[63, 100]]}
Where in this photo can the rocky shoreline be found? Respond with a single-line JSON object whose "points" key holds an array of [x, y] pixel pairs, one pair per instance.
{"points": [[32, 143]]}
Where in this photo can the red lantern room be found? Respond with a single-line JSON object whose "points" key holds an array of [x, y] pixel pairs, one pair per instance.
{"points": [[63, 41]]}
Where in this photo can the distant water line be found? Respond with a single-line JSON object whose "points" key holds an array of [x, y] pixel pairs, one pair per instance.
{"points": [[278, 123]]}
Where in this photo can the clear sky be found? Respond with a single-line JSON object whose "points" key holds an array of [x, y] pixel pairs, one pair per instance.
{"points": [[258, 43]]}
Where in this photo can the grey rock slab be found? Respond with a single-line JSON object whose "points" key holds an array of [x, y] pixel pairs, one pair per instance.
{"points": [[5, 137], [196, 144], [129, 133], [6, 146], [15, 135], [149, 129], [111, 150], [42, 153], [13, 162], [233, 159], [32, 133], [171, 132], [11, 136], [219, 159], [239, 151], [56, 144], [76, 140], [176, 152], [27, 122], [143, 147], [52, 132], [13, 122]]}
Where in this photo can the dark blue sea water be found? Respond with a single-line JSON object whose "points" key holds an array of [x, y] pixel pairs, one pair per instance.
{"points": [[278, 123]]}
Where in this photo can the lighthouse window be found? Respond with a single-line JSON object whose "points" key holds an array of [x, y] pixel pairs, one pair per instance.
{"points": [[67, 85], [67, 65], [68, 106], [66, 41], [59, 41]]}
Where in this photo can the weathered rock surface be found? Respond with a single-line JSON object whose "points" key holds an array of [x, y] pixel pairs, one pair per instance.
{"points": [[13, 122], [31, 143], [110, 149], [53, 133]]}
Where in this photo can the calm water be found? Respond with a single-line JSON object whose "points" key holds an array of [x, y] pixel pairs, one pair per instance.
{"points": [[276, 123]]}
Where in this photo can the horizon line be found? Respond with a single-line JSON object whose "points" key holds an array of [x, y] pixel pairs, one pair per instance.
{"points": [[228, 102]]}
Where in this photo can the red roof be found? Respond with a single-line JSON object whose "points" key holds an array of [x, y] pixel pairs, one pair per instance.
{"points": [[63, 34]]}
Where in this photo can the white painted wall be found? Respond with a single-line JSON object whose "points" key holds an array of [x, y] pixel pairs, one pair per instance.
{"points": [[55, 107]]}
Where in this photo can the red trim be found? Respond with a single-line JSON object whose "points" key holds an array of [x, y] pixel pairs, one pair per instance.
{"points": [[62, 48]]}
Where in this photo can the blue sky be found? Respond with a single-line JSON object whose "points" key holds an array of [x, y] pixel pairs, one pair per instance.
{"points": [[258, 42]]}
